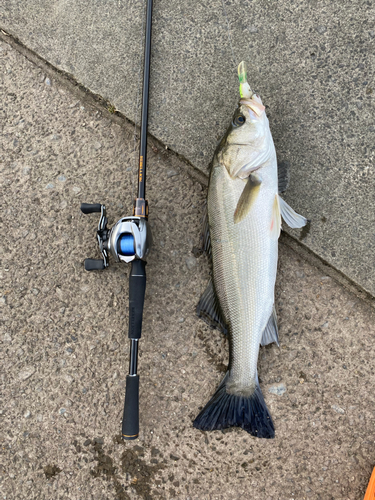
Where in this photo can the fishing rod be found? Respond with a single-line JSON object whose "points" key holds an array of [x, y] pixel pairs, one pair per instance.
{"points": [[129, 241]]}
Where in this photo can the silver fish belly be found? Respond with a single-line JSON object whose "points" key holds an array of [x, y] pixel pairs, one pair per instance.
{"points": [[244, 258]]}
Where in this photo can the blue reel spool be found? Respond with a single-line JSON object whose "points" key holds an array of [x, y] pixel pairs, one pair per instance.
{"points": [[125, 245]]}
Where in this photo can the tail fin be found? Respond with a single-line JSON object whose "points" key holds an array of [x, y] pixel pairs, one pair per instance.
{"points": [[231, 410]]}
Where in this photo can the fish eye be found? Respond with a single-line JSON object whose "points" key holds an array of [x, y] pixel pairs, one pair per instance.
{"points": [[239, 120]]}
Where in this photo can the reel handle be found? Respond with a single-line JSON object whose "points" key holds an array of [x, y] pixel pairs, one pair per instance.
{"points": [[90, 208]]}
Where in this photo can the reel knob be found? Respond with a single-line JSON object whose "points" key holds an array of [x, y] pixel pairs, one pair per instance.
{"points": [[94, 264]]}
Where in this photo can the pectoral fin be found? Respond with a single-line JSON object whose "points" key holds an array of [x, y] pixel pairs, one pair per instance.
{"points": [[248, 197], [293, 219]]}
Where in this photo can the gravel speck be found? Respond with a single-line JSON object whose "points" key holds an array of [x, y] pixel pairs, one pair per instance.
{"points": [[7, 338], [191, 262], [172, 173], [338, 409], [26, 373], [321, 29], [68, 378], [278, 389], [47, 81], [114, 346]]}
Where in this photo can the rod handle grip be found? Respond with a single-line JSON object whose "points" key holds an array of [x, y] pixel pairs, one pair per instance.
{"points": [[130, 421], [137, 288], [90, 208]]}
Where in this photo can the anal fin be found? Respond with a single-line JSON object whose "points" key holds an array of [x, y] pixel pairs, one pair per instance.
{"points": [[270, 333], [209, 310], [205, 239]]}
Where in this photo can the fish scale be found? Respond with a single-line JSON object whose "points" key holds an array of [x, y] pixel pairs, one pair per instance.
{"points": [[244, 270]]}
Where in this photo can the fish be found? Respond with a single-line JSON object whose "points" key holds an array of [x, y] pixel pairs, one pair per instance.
{"points": [[242, 228]]}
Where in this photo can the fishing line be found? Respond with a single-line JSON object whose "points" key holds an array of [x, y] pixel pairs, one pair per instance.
{"points": [[229, 34]]}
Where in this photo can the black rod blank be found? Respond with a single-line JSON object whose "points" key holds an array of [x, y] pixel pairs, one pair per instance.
{"points": [[145, 94], [133, 357]]}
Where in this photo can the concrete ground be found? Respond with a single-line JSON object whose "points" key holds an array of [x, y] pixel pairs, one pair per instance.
{"points": [[312, 62], [64, 331]]}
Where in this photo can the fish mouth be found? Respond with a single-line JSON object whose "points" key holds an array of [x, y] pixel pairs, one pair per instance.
{"points": [[254, 104]]}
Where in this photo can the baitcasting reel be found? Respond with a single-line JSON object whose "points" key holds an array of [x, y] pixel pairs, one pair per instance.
{"points": [[129, 239]]}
